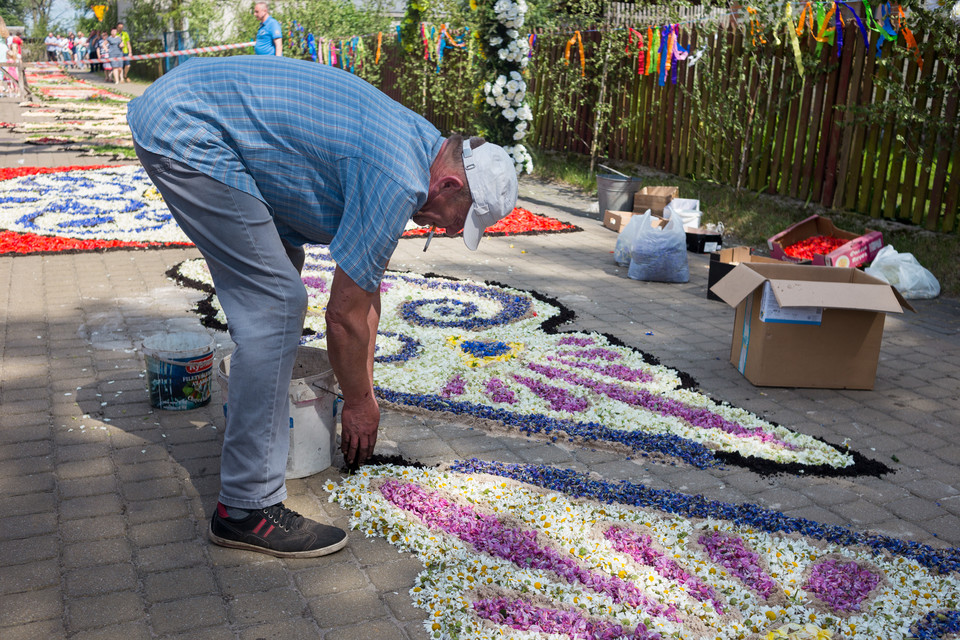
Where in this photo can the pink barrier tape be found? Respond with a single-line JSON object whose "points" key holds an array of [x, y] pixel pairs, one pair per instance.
{"points": [[145, 56]]}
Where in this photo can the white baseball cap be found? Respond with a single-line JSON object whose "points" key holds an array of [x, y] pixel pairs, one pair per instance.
{"points": [[493, 186]]}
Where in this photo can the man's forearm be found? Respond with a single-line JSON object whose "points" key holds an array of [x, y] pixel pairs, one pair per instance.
{"points": [[278, 45]]}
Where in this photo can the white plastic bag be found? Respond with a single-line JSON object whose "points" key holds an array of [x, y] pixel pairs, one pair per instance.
{"points": [[659, 254], [688, 210], [903, 271], [621, 253]]}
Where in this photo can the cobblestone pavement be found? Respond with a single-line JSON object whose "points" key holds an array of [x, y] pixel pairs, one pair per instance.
{"points": [[104, 501]]}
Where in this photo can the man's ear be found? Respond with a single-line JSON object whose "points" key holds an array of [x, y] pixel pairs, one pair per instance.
{"points": [[450, 183]]}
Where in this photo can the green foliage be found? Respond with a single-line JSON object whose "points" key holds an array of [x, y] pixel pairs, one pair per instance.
{"points": [[13, 12], [423, 86], [330, 18]]}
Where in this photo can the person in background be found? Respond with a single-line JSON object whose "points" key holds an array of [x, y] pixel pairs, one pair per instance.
{"points": [[80, 46], [104, 48], [95, 52], [12, 76], [269, 35], [250, 180], [52, 43], [63, 49], [127, 50]]}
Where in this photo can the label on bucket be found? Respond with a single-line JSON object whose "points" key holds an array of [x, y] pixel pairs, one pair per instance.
{"points": [[180, 384]]}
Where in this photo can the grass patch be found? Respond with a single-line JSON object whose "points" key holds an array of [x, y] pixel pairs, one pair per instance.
{"points": [[113, 150], [750, 218]]}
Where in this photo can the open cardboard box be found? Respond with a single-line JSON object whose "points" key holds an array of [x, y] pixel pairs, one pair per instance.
{"points": [[723, 261], [616, 220], [807, 326], [654, 198], [857, 251]]}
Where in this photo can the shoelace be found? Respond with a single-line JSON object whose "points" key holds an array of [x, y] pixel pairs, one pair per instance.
{"points": [[286, 518]]}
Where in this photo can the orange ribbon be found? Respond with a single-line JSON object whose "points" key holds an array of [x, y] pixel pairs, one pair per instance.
{"points": [[566, 52], [756, 30], [376, 60]]}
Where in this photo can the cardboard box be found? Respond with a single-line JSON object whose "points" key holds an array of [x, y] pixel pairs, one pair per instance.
{"points": [[857, 251], [723, 261], [654, 198], [616, 220], [807, 326]]}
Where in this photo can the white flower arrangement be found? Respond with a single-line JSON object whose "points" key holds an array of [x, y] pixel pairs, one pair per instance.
{"points": [[457, 575], [509, 94], [562, 378]]}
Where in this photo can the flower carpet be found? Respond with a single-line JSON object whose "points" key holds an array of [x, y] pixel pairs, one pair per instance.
{"points": [[534, 552], [492, 355], [44, 210]]}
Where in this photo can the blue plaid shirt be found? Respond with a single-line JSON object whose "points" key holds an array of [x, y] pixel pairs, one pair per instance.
{"points": [[336, 160]]}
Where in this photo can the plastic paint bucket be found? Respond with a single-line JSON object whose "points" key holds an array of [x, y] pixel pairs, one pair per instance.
{"points": [[179, 369], [313, 411]]}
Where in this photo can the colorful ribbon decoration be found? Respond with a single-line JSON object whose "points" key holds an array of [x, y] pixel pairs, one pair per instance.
{"points": [[640, 53], [756, 29], [889, 32], [376, 59], [577, 38], [792, 37]]}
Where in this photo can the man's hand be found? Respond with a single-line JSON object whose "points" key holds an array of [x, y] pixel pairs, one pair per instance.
{"points": [[359, 422]]}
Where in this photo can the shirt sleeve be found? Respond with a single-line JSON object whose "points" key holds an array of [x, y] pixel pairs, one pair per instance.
{"points": [[274, 30], [376, 210]]}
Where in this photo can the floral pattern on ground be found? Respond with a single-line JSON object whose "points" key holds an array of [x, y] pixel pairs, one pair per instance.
{"points": [[504, 558], [493, 353]]}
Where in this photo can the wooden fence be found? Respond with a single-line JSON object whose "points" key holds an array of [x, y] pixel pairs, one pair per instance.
{"points": [[806, 142]]}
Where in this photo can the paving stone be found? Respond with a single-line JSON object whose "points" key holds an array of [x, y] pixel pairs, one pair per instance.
{"points": [[126, 631], [187, 615], [100, 579], [380, 629], [96, 552], [29, 577], [177, 584], [347, 608], [73, 531], [264, 607], [331, 578], [284, 630], [103, 610], [395, 576], [91, 507], [253, 577], [172, 556]]}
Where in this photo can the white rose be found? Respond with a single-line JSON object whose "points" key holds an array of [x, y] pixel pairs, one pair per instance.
{"points": [[501, 80], [510, 114], [515, 75], [496, 40], [513, 33], [486, 87], [496, 90], [519, 135], [491, 101]]}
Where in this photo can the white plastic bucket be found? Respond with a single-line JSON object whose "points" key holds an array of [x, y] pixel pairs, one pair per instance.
{"points": [[179, 369], [313, 411]]}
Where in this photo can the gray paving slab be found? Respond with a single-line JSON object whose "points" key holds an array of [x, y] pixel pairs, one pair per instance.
{"points": [[104, 500]]}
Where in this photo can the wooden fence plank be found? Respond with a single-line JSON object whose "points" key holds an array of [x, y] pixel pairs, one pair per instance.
{"points": [[913, 136], [800, 145], [814, 127], [827, 112], [926, 164], [952, 201], [835, 148], [863, 96], [895, 177], [941, 172], [790, 134]]}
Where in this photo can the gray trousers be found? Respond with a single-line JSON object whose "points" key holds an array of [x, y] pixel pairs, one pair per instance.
{"points": [[257, 278]]}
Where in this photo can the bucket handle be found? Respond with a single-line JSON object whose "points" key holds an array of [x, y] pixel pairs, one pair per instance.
{"points": [[603, 166]]}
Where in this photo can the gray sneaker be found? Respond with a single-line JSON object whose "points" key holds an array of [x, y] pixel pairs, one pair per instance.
{"points": [[276, 531]]}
